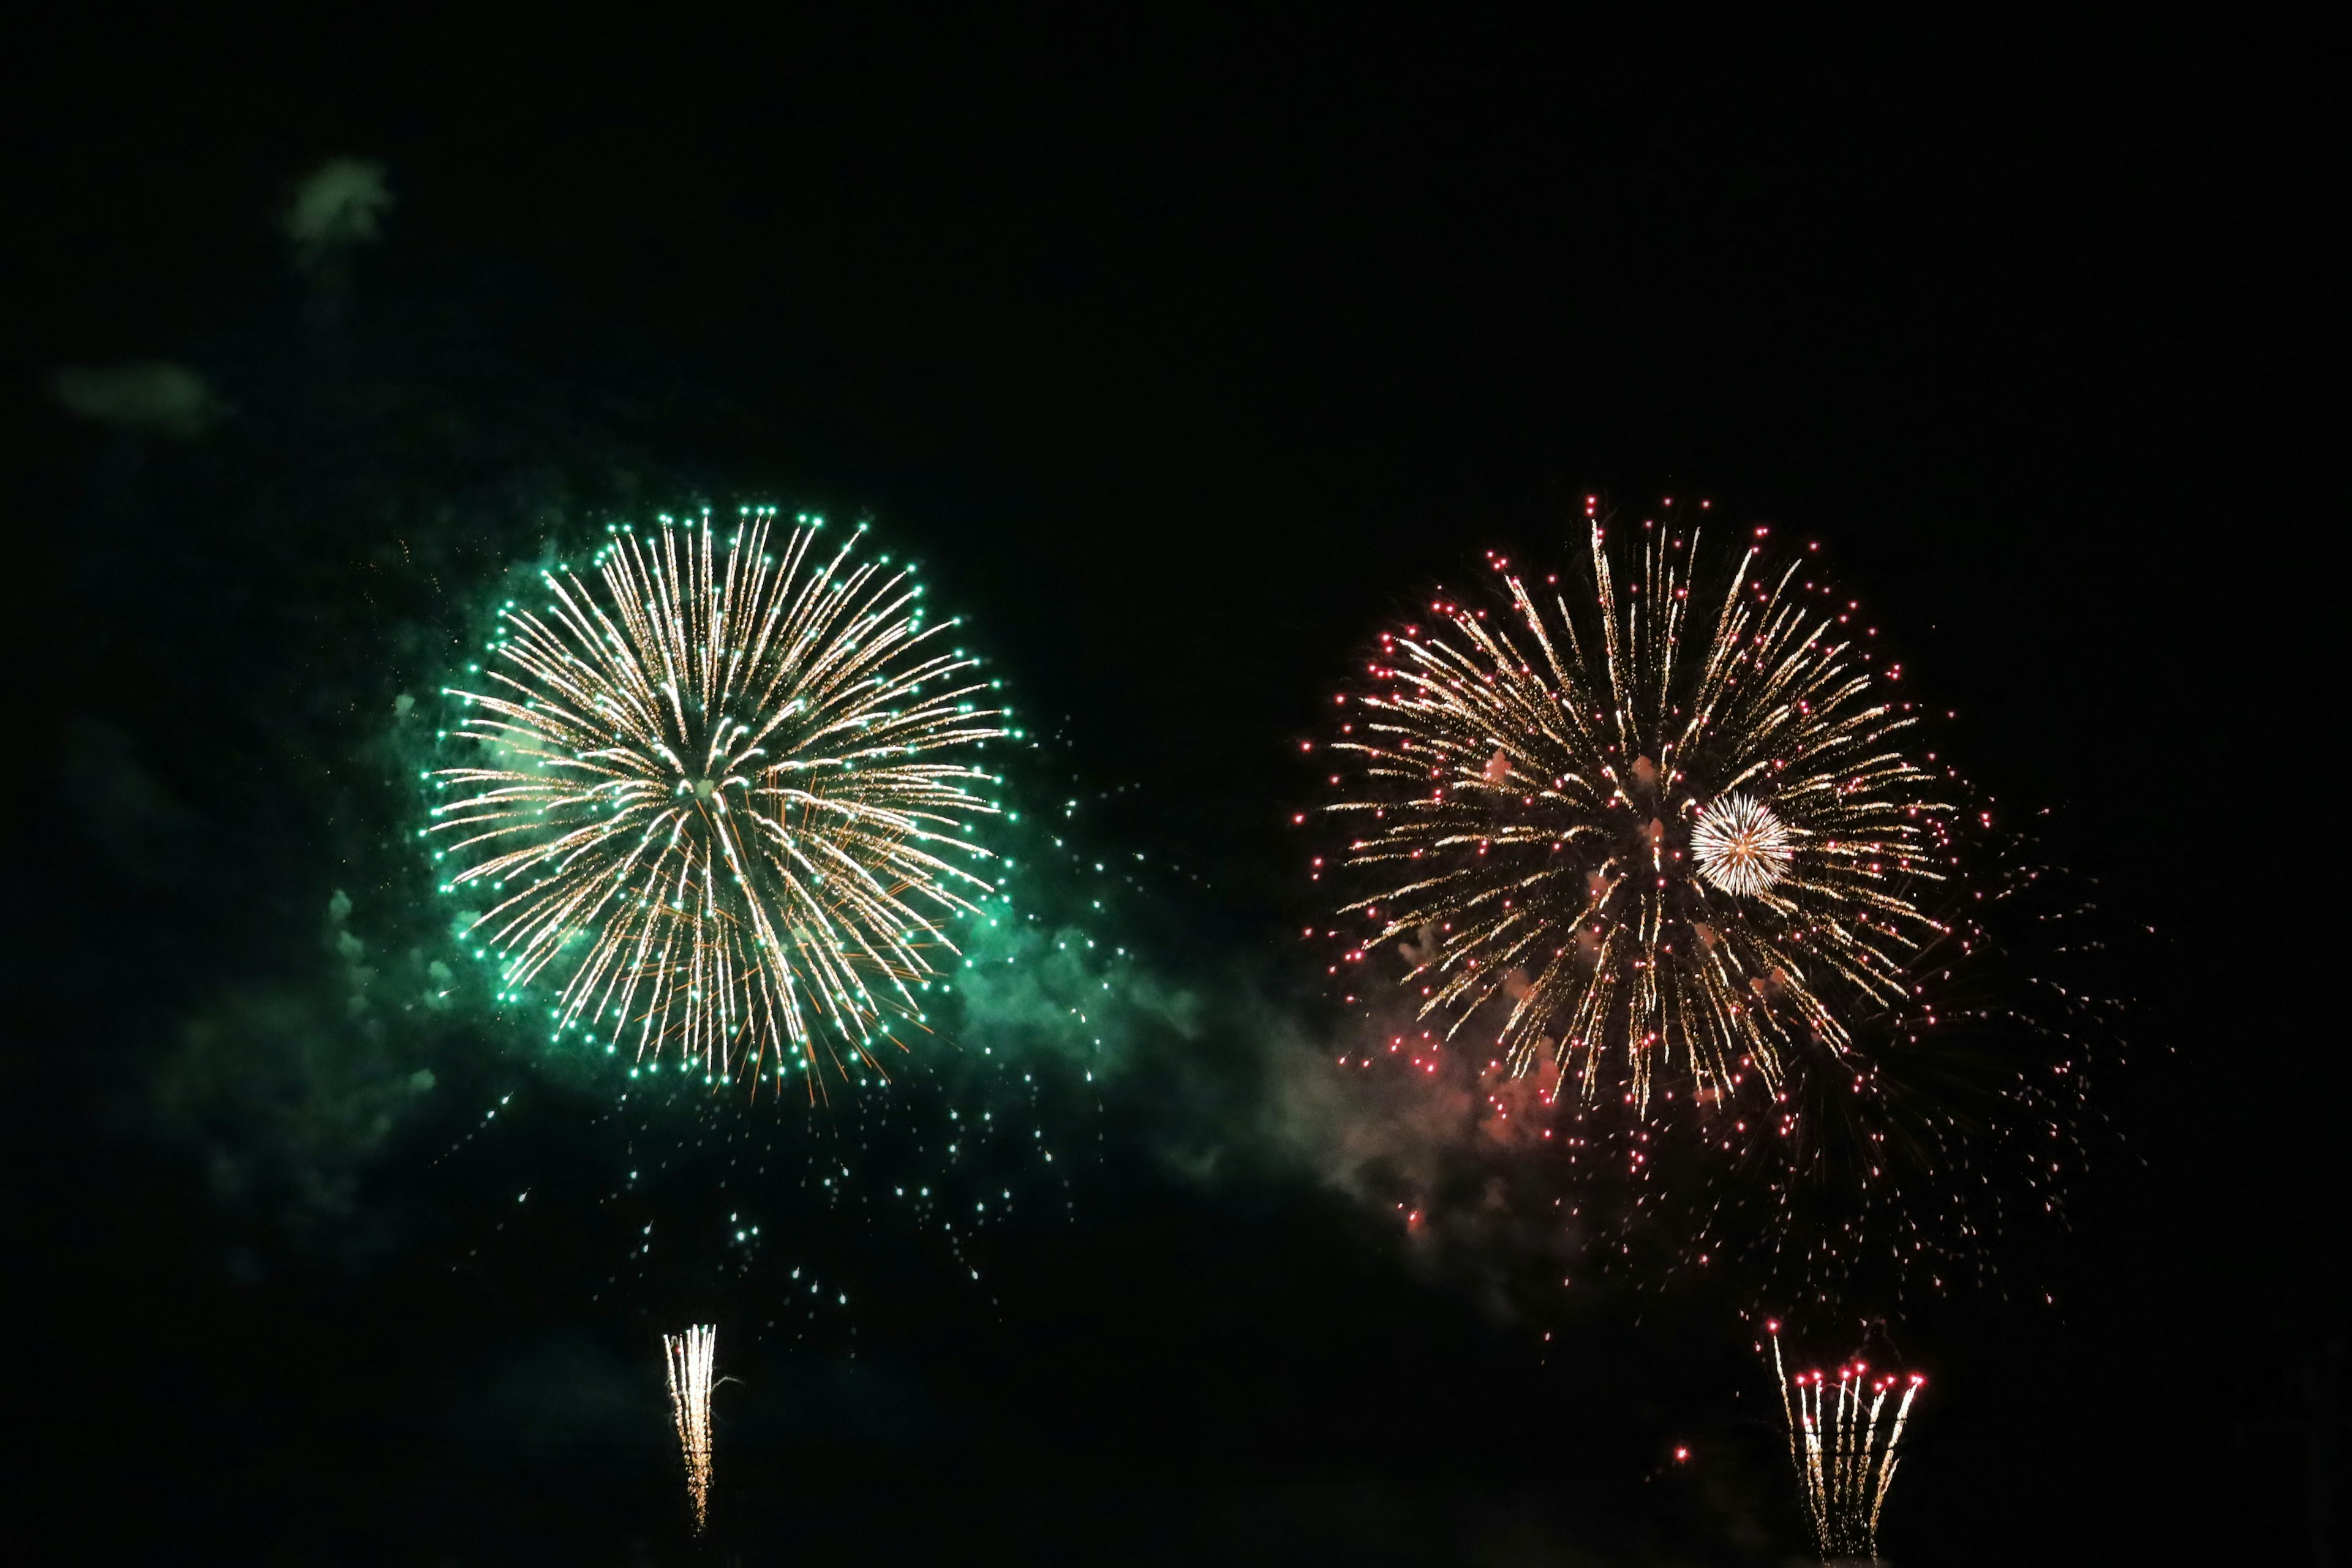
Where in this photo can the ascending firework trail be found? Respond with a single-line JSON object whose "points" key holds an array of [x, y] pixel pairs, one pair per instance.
{"points": [[1843, 1443], [692, 1359]]}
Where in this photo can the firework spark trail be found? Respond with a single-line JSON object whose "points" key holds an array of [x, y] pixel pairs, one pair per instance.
{"points": [[690, 1358], [723, 797], [1894, 1442], [1833, 1446], [1669, 826]]}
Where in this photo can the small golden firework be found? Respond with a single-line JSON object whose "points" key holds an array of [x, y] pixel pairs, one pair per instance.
{"points": [[691, 1358]]}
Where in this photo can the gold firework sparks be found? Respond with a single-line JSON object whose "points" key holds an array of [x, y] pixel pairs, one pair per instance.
{"points": [[1664, 820], [691, 1357], [1844, 1455], [721, 797]]}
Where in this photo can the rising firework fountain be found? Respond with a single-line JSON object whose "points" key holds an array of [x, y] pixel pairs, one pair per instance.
{"points": [[1843, 1444], [691, 1358]]}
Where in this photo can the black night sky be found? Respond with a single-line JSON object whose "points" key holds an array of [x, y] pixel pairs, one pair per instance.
{"points": [[1184, 354]]}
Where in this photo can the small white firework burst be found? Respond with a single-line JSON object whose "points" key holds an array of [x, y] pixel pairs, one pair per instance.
{"points": [[1740, 846]]}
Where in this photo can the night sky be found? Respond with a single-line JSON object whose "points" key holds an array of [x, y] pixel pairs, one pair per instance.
{"points": [[1186, 356]]}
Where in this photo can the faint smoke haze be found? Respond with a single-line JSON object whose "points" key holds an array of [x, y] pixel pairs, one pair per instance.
{"points": [[152, 395], [340, 204]]}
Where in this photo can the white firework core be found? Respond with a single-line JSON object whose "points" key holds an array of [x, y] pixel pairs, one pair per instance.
{"points": [[721, 799], [1741, 846]]}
